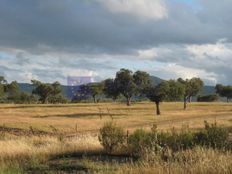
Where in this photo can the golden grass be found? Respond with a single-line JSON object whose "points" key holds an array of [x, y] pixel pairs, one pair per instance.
{"points": [[86, 119], [195, 161], [90, 117], [19, 151], [22, 151]]}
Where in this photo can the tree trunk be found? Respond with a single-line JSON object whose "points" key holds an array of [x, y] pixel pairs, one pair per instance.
{"points": [[94, 99], [190, 99], [185, 103], [45, 100], [157, 108], [128, 101], [227, 100]]}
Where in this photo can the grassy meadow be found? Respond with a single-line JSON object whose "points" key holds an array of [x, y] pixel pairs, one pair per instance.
{"points": [[88, 117], [64, 138]]}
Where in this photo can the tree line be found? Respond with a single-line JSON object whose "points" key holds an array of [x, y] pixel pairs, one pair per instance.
{"points": [[42, 93], [130, 84], [126, 84], [224, 91]]}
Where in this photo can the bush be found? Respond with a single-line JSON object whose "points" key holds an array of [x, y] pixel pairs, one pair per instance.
{"points": [[139, 141], [186, 140], [207, 98], [176, 141], [212, 136], [144, 145], [57, 99], [111, 137]]}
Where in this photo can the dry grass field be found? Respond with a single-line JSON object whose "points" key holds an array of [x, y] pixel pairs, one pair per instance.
{"points": [[31, 140], [71, 118]]}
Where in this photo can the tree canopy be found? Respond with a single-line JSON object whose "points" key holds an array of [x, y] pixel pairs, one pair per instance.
{"points": [[13, 91], [191, 88], [110, 89], [46, 91], [130, 84], [224, 91], [95, 90], [126, 85], [176, 90], [157, 94], [3, 83]]}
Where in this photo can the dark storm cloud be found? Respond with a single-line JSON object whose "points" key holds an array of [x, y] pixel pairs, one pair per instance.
{"points": [[85, 26]]}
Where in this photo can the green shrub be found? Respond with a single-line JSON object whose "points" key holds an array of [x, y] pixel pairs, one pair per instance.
{"points": [[144, 144], [141, 141], [186, 140], [163, 139], [176, 141], [212, 136], [111, 137], [138, 141], [207, 98]]}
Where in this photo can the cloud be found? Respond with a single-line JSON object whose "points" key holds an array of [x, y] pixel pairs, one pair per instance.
{"points": [[188, 73], [220, 49], [108, 26], [147, 54], [208, 61], [50, 39], [143, 9]]}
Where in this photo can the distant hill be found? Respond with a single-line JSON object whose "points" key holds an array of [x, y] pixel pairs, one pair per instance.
{"points": [[25, 87], [156, 80], [67, 90], [207, 90]]}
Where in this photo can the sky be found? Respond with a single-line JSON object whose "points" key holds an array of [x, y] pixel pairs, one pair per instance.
{"points": [[49, 40]]}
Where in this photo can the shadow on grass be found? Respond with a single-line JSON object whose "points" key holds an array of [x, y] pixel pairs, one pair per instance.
{"points": [[79, 162], [80, 115], [132, 109], [48, 106], [99, 156], [54, 168]]}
